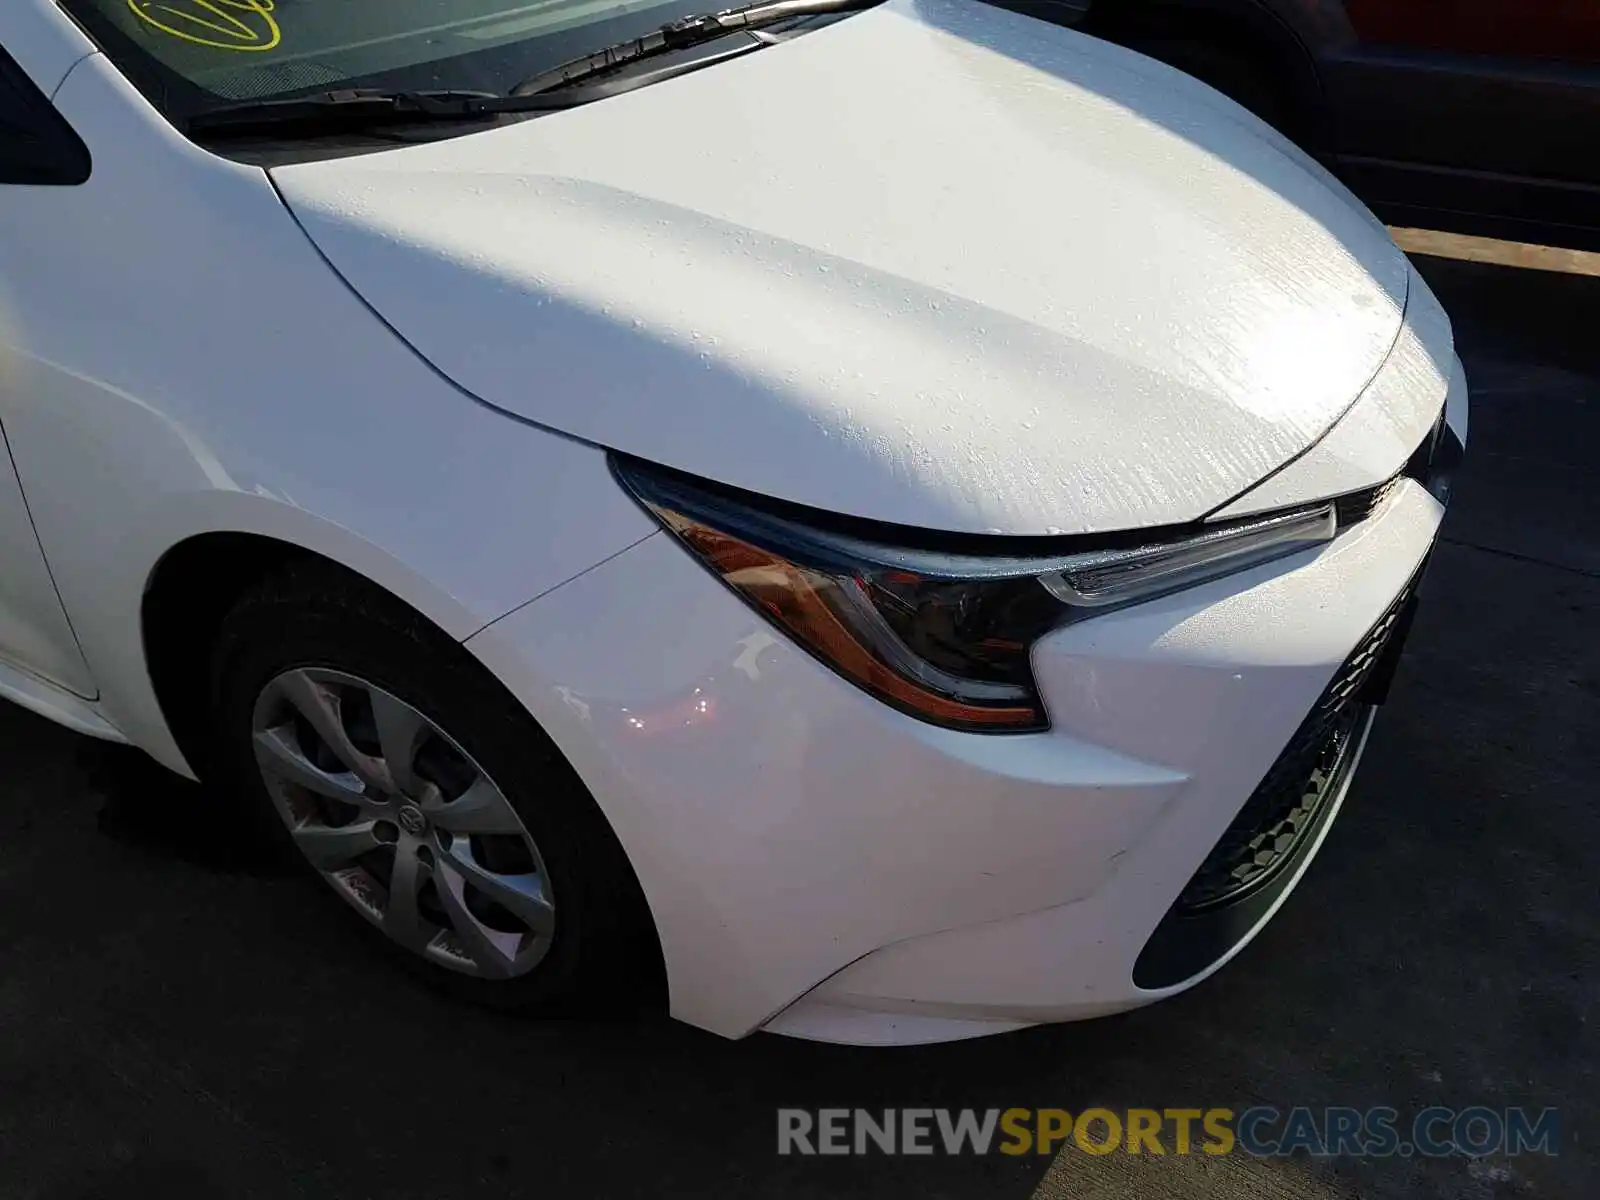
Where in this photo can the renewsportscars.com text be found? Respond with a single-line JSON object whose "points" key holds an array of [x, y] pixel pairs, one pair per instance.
{"points": [[1260, 1130]]}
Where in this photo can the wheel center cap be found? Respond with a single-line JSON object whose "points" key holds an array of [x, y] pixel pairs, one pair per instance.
{"points": [[411, 819]]}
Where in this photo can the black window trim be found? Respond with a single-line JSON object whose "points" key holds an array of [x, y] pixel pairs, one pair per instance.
{"points": [[38, 147]]}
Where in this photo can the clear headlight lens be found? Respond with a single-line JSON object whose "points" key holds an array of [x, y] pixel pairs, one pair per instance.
{"points": [[943, 636]]}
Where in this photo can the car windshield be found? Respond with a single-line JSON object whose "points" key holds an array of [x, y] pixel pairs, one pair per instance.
{"points": [[191, 55]]}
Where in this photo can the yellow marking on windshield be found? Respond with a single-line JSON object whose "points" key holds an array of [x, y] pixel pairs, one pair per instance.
{"points": [[214, 23]]}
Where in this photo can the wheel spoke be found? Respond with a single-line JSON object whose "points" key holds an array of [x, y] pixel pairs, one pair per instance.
{"points": [[521, 895], [401, 729], [329, 847], [320, 707], [408, 851], [479, 809], [278, 755], [401, 918], [493, 951]]}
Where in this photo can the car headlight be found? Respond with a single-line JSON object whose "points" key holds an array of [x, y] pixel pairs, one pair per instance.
{"points": [[921, 621]]}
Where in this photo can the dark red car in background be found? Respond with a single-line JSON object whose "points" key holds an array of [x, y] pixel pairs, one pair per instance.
{"points": [[1479, 116]]}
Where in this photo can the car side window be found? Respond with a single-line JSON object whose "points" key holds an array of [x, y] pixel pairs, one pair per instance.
{"points": [[36, 145]]}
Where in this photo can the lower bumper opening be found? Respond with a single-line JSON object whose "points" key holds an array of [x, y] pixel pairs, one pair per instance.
{"points": [[1252, 866], [1261, 852]]}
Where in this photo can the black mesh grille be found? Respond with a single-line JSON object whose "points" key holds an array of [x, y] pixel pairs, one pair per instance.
{"points": [[1286, 803], [1423, 466], [1358, 506]]}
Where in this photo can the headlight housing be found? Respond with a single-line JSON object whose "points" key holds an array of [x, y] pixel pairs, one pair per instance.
{"points": [[929, 626]]}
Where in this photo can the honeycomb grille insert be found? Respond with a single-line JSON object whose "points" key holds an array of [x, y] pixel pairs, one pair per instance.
{"points": [[1358, 506], [1275, 818], [1286, 804]]}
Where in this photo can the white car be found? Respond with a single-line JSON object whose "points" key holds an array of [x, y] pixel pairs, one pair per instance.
{"points": [[882, 522]]}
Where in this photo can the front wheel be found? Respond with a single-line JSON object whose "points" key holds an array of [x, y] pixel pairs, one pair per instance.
{"points": [[388, 761]]}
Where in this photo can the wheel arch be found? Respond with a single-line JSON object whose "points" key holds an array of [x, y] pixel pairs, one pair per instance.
{"points": [[190, 591], [147, 590], [199, 576]]}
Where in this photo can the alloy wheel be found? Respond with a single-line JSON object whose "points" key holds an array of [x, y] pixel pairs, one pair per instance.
{"points": [[403, 824]]}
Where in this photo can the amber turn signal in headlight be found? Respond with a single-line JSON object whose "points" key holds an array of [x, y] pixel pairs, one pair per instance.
{"points": [[945, 637]]}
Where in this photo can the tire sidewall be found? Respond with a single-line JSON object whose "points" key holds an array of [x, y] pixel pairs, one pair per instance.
{"points": [[270, 634]]}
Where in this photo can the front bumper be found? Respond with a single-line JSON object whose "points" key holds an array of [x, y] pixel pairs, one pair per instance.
{"points": [[821, 865]]}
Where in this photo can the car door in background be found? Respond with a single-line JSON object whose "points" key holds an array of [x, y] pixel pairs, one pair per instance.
{"points": [[1485, 107], [1475, 116]]}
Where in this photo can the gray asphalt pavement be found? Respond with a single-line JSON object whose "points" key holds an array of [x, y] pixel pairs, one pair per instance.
{"points": [[175, 1022]]}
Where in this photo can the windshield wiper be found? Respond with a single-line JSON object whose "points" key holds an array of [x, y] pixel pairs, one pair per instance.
{"points": [[351, 109], [687, 31], [355, 109]]}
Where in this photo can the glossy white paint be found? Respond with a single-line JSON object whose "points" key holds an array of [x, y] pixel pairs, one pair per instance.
{"points": [[34, 633], [784, 826], [937, 264], [1458, 402], [179, 360], [946, 266], [44, 43], [1375, 438], [55, 703], [878, 1001]]}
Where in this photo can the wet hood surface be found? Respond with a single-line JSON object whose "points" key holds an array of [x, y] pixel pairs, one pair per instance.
{"points": [[936, 264]]}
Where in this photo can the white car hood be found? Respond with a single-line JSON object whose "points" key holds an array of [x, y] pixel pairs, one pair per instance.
{"points": [[936, 264]]}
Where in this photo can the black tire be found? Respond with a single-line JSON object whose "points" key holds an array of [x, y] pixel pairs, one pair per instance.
{"points": [[603, 955]]}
